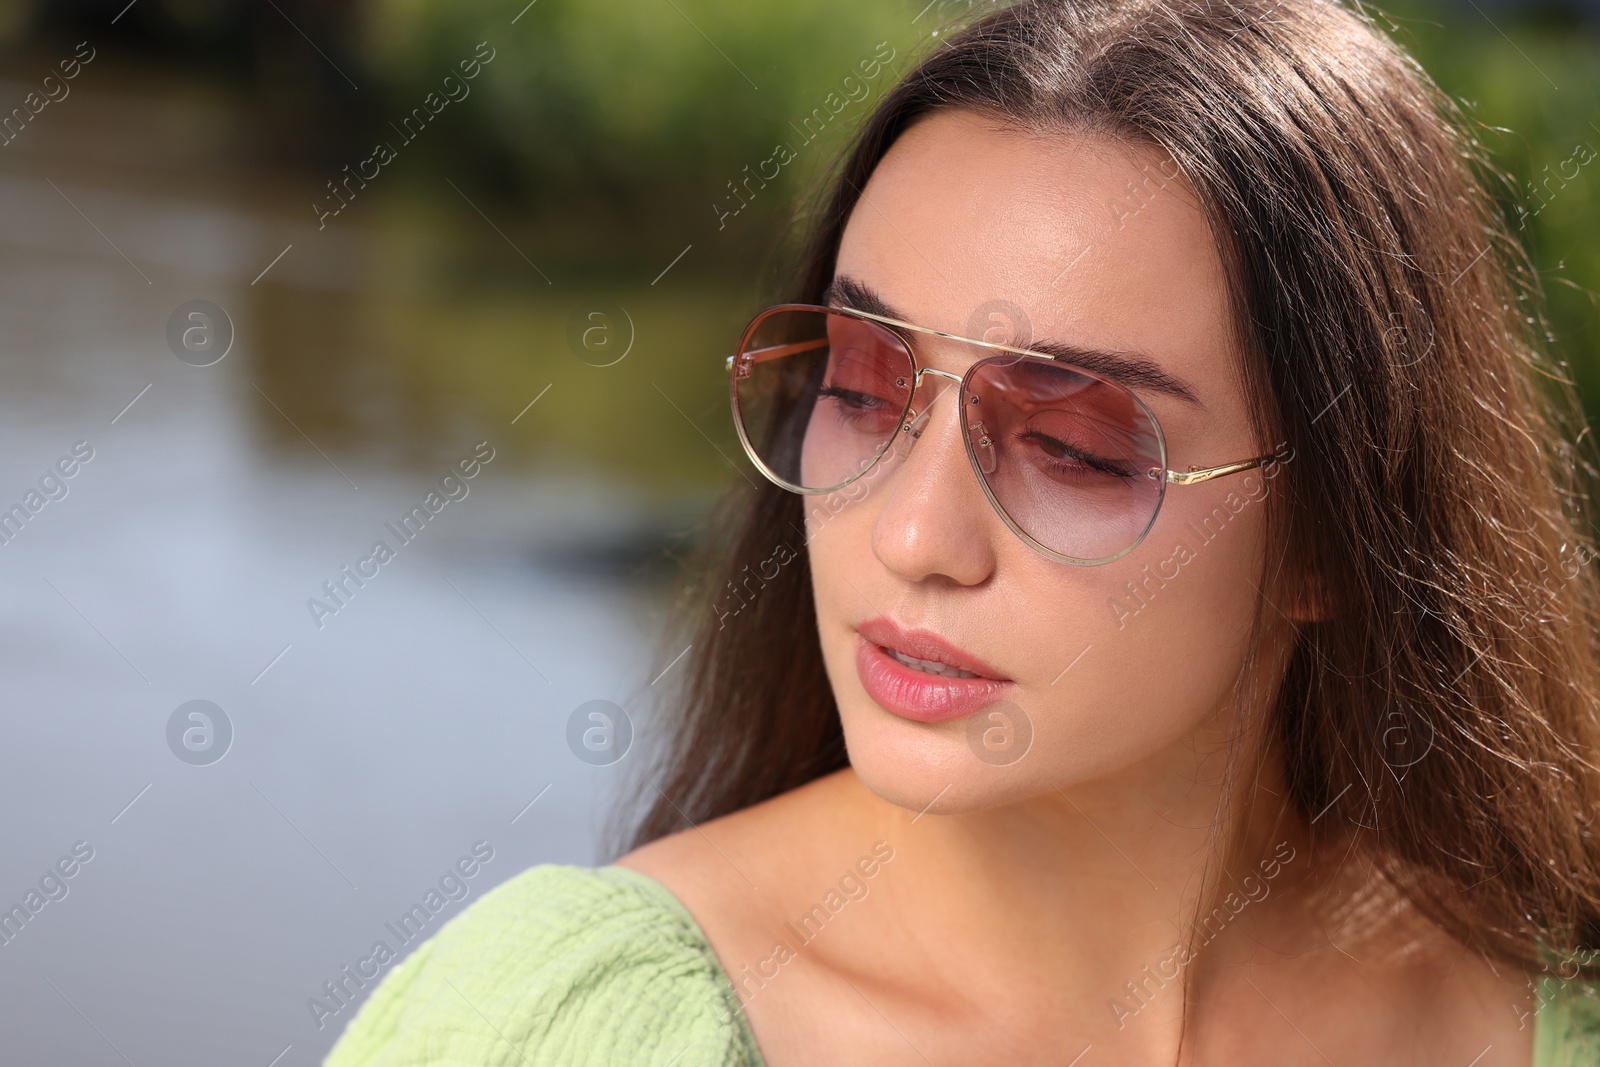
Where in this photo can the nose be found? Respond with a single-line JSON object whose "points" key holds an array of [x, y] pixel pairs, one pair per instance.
{"points": [[935, 519]]}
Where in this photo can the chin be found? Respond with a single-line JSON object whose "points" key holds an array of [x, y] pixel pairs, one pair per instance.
{"points": [[909, 763]]}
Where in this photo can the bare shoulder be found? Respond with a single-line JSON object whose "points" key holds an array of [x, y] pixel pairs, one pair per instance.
{"points": [[1472, 1003], [744, 873], [791, 894]]}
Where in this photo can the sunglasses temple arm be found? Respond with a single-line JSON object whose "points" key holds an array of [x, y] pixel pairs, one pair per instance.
{"points": [[761, 355], [1194, 475]]}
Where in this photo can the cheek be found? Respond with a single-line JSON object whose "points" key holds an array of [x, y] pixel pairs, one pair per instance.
{"points": [[1109, 675], [839, 542], [1166, 632]]}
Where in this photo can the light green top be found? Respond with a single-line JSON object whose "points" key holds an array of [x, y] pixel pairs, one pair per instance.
{"points": [[1566, 1032], [557, 967], [573, 967]]}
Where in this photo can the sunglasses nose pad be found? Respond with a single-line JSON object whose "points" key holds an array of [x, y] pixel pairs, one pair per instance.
{"points": [[982, 447], [917, 421]]}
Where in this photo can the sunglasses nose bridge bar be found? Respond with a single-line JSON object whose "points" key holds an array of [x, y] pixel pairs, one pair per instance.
{"points": [[921, 371], [913, 417]]}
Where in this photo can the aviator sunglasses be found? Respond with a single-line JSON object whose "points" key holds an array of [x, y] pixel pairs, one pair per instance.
{"points": [[1073, 462]]}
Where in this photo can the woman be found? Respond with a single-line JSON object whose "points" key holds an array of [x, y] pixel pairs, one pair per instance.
{"points": [[1190, 661]]}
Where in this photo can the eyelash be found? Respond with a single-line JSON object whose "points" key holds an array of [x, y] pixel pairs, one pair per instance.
{"points": [[1084, 459]]}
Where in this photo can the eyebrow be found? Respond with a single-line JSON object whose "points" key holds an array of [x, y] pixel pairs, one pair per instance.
{"points": [[1126, 368]]}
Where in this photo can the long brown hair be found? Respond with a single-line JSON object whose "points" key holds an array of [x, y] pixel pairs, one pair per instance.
{"points": [[1390, 330]]}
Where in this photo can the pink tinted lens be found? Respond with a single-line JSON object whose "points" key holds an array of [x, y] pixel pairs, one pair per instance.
{"points": [[1067, 456], [820, 395]]}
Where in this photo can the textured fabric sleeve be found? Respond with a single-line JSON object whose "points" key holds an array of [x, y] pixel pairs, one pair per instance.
{"points": [[557, 967]]}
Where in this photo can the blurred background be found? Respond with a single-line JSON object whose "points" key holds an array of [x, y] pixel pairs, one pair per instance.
{"points": [[273, 338]]}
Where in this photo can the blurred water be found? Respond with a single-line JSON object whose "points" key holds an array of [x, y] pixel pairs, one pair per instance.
{"points": [[369, 754]]}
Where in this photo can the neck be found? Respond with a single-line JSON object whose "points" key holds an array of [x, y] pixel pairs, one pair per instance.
{"points": [[1110, 890]]}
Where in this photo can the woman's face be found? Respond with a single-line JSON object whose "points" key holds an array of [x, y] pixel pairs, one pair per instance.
{"points": [[1101, 671]]}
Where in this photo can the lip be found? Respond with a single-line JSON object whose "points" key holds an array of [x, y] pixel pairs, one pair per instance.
{"points": [[918, 695]]}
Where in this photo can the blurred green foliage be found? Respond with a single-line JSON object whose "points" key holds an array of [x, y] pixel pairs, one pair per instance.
{"points": [[602, 138], [600, 144], [618, 124], [601, 141], [1531, 89]]}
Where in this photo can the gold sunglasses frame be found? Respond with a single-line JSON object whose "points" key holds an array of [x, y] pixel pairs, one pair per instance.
{"points": [[1164, 474]]}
